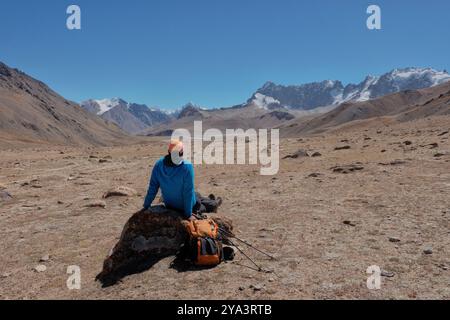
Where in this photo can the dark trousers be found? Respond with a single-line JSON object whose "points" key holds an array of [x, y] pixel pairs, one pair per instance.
{"points": [[205, 205]]}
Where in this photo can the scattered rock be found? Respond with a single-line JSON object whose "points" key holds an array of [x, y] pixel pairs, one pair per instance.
{"points": [[443, 133], [5, 196], [241, 288], [120, 192], [103, 160], [314, 175], [316, 154], [347, 168], [5, 274], [383, 151], [439, 154], [443, 266], [299, 154], [349, 223], [433, 145], [428, 250], [40, 268], [394, 239], [96, 204], [60, 202], [45, 258], [342, 148], [407, 143], [393, 163], [93, 157], [387, 274], [257, 287]]}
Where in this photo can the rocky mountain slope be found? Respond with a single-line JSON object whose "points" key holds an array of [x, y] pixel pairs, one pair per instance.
{"points": [[399, 107], [254, 114], [131, 117], [312, 95], [31, 112]]}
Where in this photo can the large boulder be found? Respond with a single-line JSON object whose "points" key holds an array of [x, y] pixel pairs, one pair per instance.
{"points": [[147, 237]]}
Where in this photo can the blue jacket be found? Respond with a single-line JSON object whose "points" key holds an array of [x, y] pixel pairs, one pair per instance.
{"points": [[177, 186]]}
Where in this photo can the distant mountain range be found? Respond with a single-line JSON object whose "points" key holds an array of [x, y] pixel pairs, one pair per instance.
{"points": [[31, 112], [286, 101], [131, 117], [326, 93], [403, 106]]}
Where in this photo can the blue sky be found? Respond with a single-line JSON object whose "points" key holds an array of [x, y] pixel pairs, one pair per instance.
{"points": [[215, 52]]}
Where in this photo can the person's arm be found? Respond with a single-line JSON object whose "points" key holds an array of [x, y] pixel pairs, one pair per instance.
{"points": [[152, 189], [189, 191]]}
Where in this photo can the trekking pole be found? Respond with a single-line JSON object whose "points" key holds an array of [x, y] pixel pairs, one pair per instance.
{"points": [[240, 250], [228, 234]]}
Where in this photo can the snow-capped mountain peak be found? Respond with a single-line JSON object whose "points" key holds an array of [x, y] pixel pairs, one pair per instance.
{"points": [[108, 104], [326, 93], [131, 117]]}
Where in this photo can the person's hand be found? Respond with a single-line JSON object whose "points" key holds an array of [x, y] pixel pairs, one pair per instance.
{"points": [[192, 218]]}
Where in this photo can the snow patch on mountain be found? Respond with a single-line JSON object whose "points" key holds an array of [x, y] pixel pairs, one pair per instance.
{"points": [[263, 101], [108, 104]]}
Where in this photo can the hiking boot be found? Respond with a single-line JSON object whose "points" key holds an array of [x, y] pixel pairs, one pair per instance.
{"points": [[218, 204], [212, 197], [228, 254]]}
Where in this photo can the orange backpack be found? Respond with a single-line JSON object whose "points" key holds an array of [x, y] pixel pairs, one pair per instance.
{"points": [[205, 249]]}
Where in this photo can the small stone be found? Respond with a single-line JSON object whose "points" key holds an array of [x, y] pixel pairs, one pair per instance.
{"points": [[316, 154], [96, 204], [241, 288], [257, 287], [387, 274], [5, 274], [349, 223], [342, 148], [271, 279], [428, 250], [4, 196], [40, 268], [120, 192], [407, 143], [345, 169], [314, 175], [443, 266], [394, 239], [299, 154], [45, 258]]}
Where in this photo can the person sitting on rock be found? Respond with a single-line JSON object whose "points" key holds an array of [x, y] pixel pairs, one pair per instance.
{"points": [[175, 177]]}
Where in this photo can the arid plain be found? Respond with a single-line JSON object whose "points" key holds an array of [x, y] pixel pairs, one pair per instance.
{"points": [[375, 193]]}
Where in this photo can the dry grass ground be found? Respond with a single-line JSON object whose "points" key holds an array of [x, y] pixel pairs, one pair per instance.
{"points": [[325, 229]]}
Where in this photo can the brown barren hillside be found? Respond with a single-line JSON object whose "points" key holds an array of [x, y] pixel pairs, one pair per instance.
{"points": [[30, 112]]}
